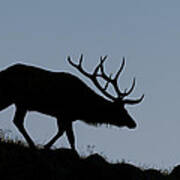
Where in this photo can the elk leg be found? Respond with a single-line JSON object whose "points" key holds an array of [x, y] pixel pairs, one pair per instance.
{"points": [[18, 121], [61, 129], [70, 135]]}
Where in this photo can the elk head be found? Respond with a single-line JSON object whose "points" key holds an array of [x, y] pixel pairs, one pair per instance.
{"points": [[117, 102]]}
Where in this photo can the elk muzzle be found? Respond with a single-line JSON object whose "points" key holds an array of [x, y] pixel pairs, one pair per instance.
{"points": [[132, 125]]}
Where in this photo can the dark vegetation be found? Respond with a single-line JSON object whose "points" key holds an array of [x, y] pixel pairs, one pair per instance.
{"points": [[17, 161]]}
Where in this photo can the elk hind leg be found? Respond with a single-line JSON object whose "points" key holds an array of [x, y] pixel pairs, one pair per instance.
{"points": [[18, 121]]}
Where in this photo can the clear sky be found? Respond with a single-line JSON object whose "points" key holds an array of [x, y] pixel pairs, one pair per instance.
{"points": [[147, 33]]}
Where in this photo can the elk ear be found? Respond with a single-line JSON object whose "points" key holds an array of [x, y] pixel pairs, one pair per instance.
{"points": [[136, 101]]}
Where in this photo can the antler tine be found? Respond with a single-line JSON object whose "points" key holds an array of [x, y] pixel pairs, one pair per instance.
{"points": [[103, 74], [79, 66], [102, 59], [76, 65], [131, 89], [120, 69], [70, 62], [107, 83], [99, 66], [114, 81], [80, 61], [136, 101]]}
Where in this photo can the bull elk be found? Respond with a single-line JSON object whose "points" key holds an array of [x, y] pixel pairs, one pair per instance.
{"points": [[65, 97]]}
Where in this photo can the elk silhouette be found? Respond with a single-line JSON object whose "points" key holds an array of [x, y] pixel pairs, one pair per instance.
{"points": [[65, 97]]}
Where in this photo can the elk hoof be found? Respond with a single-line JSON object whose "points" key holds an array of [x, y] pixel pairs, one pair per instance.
{"points": [[47, 146]]}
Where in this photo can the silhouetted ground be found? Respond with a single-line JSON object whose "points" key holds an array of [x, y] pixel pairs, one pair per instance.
{"points": [[22, 163]]}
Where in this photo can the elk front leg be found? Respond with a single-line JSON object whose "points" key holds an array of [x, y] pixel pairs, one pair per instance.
{"points": [[18, 121], [61, 129], [70, 135]]}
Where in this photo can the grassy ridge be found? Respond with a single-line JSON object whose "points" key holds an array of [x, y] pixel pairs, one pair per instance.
{"points": [[20, 162]]}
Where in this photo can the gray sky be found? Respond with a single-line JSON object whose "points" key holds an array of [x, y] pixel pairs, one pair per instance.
{"points": [[147, 33]]}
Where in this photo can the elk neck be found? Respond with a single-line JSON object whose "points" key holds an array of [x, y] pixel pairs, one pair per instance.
{"points": [[99, 111]]}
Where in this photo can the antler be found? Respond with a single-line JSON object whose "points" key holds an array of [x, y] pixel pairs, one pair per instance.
{"points": [[108, 79], [93, 76], [114, 81]]}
